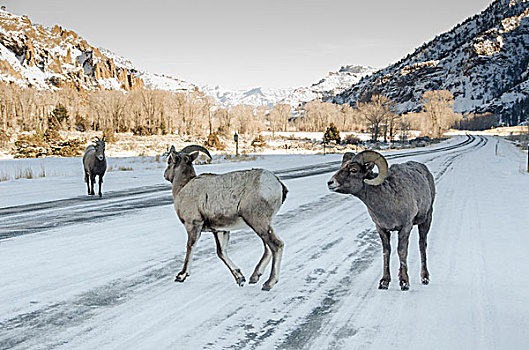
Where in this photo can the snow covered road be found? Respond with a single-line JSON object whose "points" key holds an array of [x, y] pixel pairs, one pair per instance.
{"points": [[36, 217], [108, 284]]}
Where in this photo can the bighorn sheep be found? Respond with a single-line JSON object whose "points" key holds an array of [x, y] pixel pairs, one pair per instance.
{"points": [[95, 164], [397, 198], [217, 203]]}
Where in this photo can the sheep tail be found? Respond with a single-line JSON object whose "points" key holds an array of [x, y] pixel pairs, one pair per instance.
{"points": [[285, 191]]}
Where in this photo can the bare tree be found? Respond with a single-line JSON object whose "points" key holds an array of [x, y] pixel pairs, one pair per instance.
{"points": [[278, 117], [376, 113], [110, 109], [404, 127], [245, 119], [438, 106], [392, 125]]}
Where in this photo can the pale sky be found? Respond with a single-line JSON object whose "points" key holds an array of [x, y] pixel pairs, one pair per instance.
{"points": [[247, 43]]}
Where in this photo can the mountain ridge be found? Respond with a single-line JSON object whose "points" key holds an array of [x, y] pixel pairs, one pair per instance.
{"points": [[43, 57], [483, 62]]}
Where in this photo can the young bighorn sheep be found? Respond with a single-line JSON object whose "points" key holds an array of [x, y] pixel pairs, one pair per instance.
{"points": [[397, 198], [217, 203], [95, 164]]}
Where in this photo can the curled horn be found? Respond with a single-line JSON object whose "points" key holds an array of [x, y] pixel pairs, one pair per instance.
{"points": [[379, 160], [194, 148]]}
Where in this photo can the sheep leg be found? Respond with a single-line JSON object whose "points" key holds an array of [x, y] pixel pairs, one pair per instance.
{"points": [[193, 234], [259, 269], [92, 184], [386, 250], [404, 235], [424, 228], [100, 183], [87, 180], [276, 246], [221, 239]]}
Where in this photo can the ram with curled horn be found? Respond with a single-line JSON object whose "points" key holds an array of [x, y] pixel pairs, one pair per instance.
{"points": [[397, 198], [219, 203]]}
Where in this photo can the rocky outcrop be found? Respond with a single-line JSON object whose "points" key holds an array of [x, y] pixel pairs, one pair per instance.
{"points": [[33, 55]]}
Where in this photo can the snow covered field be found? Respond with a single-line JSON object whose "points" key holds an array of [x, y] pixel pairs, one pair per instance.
{"points": [[90, 273]]}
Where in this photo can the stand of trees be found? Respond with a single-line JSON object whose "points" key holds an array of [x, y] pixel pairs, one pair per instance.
{"points": [[477, 122], [148, 112], [437, 115], [144, 112]]}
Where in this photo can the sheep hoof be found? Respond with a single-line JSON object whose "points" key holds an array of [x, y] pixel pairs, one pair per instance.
{"points": [[240, 281], [383, 284], [181, 277], [255, 278], [425, 281], [269, 284], [404, 286], [100, 195]]}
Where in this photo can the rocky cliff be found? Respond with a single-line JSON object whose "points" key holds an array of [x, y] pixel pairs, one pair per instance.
{"points": [[50, 58]]}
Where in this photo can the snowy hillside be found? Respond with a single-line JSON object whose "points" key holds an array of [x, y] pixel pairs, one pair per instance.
{"points": [[36, 56], [51, 58], [151, 80], [483, 62]]}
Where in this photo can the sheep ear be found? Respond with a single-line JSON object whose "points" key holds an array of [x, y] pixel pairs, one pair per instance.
{"points": [[190, 158], [347, 157], [173, 158], [172, 150]]}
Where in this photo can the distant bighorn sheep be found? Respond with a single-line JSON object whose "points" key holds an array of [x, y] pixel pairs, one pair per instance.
{"points": [[397, 198], [217, 203], [95, 164]]}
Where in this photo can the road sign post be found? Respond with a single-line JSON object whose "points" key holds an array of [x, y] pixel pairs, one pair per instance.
{"points": [[236, 139]]}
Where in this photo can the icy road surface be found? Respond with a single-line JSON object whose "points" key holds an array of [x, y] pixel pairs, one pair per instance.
{"points": [[98, 274]]}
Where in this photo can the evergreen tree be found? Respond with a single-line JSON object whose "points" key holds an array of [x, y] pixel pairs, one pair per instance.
{"points": [[332, 134]]}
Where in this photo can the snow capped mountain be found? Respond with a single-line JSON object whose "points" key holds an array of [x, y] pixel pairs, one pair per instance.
{"points": [[253, 97], [332, 84], [483, 62]]}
